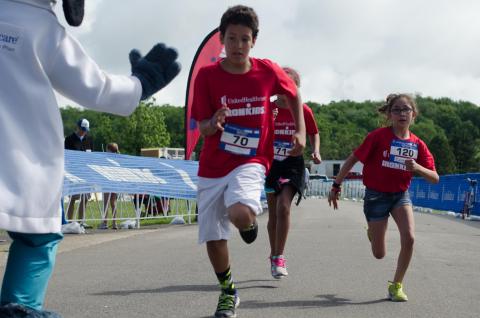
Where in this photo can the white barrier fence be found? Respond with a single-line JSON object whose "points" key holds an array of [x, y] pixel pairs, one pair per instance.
{"points": [[351, 189], [131, 207], [140, 206]]}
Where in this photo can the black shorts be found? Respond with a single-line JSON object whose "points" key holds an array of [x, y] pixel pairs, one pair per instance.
{"points": [[289, 171]]}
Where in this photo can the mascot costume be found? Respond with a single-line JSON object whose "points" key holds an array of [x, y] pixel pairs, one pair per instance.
{"points": [[38, 56]]}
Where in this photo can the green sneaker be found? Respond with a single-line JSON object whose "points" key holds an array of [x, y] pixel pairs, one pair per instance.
{"points": [[395, 292], [227, 304]]}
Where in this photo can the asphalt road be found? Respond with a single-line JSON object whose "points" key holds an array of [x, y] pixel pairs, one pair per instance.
{"points": [[163, 272]]}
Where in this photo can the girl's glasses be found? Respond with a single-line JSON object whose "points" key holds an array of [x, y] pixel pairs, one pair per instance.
{"points": [[399, 111]]}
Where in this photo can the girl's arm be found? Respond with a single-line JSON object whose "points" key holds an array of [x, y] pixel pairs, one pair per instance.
{"points": [[345, 169], [334, 194], [298, 139], [429, 175], [315, 144]]}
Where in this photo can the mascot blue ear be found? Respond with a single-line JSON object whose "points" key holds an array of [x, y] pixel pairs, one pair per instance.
{"points": [[74, 11]]}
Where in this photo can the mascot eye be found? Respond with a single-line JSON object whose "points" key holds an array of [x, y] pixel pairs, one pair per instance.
{"points": [[74, 11]]}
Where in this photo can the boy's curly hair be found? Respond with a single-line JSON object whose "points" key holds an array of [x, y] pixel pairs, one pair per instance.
{"points": [[242, 15]]}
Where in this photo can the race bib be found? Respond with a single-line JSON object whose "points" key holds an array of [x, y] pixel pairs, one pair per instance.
{"points": [[281, 149], [401, 150], [240, 140]]}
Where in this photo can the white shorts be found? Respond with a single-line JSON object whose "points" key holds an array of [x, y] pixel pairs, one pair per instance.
{"points": [[243, 185]]}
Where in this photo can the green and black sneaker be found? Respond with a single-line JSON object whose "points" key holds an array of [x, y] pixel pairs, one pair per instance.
{"points": [[395, 292], [227, 304], [250, 234]]}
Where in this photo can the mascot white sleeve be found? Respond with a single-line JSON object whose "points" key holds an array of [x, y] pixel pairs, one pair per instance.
{"points": [[38, 56]]}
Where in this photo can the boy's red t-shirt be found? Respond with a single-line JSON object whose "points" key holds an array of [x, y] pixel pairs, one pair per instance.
{"points": [[248, 135], [383, 155]]}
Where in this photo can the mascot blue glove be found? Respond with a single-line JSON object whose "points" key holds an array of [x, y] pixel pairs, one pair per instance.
{"points": [[156, 69]]}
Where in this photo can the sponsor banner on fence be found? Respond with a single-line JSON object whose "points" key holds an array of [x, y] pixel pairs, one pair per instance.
{"points": [[87, 172], [448, 194]]}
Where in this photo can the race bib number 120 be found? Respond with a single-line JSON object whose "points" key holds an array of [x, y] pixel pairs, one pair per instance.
{"points": [[401, 150], [240, 140]]}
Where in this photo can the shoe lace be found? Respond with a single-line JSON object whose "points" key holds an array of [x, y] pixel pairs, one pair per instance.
{"points": [[397, 288], [279, 261], [226, 301]]}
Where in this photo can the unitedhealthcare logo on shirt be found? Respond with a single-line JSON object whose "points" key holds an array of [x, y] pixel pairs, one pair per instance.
{"points": [[245, 99], [249, 109], [10, 37], [286, 132]]}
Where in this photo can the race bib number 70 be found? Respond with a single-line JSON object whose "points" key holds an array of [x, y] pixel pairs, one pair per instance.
{"points": [[240, 140]]}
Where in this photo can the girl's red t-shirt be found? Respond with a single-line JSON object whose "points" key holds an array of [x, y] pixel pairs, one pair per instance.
{"points": [[383, 156]]}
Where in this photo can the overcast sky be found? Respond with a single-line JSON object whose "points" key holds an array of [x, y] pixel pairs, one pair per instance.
{"points": [[343, 49]]}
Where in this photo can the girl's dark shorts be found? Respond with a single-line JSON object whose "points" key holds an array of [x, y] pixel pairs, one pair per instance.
{"points": [[378, 205], [290, 171]]}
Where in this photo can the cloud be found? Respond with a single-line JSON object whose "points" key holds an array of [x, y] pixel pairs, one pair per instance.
{"points": [[343, 49]]}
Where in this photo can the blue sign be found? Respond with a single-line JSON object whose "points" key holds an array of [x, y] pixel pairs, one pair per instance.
{"points": [[87, 172], [448, 194]]}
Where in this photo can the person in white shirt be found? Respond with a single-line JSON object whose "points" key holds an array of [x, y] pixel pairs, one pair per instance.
{"points": [[37, 57]]}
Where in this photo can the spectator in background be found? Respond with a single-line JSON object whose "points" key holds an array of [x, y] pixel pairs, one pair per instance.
{"points": [[79, 140], [110, 198]]}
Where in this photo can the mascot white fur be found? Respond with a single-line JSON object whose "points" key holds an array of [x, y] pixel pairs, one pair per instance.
{"points": [[38, 56]]}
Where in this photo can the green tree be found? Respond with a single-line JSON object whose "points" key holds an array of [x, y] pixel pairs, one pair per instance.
{"points": [[443, 155], [449, 128], [464, 141], [144, 128], [174, 120]]}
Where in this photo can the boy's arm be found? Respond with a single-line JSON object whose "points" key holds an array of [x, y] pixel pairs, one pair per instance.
{"points": [[298, 139], [210, 126], [315, 144], [429, 175], [334, 194]]}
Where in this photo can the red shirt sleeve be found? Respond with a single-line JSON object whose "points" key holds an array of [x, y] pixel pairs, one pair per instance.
{"points": [[310, 123], [366, 147], [202, 107], [425, 157]]}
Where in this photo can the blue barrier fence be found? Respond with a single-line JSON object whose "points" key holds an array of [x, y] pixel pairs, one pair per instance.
{"points": [[447, 195], [87, 172]]}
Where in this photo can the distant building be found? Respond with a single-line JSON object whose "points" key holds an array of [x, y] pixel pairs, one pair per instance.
{"points": [[330, 168], [165, 152]]}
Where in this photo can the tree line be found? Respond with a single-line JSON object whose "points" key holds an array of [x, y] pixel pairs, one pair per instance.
{"points": [[451, 129]]}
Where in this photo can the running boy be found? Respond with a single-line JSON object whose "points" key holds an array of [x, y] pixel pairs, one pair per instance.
{"points": [[231, 103], [287, 177], [391, 155]]}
